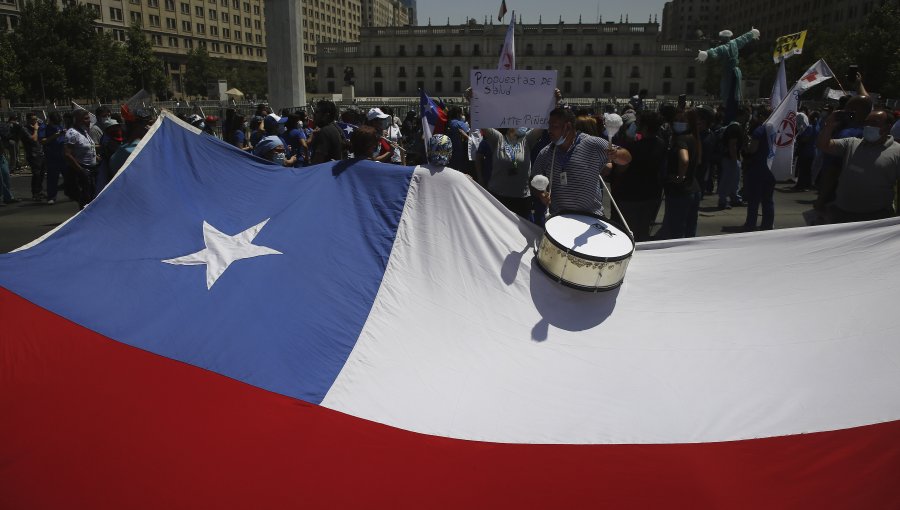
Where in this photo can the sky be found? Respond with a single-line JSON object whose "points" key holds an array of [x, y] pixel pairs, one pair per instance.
{"points": [[610, 10]]}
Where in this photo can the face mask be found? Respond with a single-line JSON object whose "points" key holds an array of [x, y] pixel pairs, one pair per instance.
{"points": [[245, 125], [632, 130], [680, 127], [279, 158], [521, 132], [871, 134]]}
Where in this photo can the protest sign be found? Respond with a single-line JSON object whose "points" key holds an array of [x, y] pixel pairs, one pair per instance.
{"points": [[502, 99], [789, 45]]}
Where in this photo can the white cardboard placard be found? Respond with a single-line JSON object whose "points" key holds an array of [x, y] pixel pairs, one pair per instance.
{"points": [[515, 98]]}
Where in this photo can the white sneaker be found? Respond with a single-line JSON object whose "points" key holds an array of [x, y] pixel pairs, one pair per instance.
{"points": [[51, 202]]}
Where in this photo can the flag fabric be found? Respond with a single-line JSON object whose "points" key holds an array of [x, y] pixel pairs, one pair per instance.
{"points": [[502, 10], [508, 53], [214, 331], [834, 94], [434, 118], [90, 114], [781, 127], [347, 129], [779, 89]]}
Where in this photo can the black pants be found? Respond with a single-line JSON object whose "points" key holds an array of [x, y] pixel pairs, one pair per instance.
{"points": [[518, 205], [38, 171]]}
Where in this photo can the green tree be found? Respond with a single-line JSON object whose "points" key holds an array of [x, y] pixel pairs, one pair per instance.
{"points": [[35, 45], [201, 69], [875, 47], [110, 70], [249, 78], [10, 82], [146, 69]]}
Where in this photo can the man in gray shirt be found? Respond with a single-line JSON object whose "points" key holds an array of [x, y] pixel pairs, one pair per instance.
{"points": [[870, 170]]}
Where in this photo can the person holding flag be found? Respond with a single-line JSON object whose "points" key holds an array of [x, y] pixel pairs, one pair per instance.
{"points": [[781, 128]]}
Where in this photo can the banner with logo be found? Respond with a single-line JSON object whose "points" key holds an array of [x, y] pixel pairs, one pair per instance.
{"points": [[788, 46], [782, 128]]}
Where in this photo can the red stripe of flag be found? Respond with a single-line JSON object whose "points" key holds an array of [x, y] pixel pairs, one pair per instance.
{"points": [[88, 422]]}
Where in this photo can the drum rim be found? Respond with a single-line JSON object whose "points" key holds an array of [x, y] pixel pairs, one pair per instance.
{"points": [[592, 258], [583, 288]]}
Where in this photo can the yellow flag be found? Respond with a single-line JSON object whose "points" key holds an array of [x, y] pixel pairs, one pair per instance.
{"points": [[789, 45]]}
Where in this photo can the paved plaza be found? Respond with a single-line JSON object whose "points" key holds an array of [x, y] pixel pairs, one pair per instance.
{"points": [[22, 222]]}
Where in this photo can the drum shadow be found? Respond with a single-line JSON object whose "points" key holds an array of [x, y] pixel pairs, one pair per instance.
{"points": [[567, 308]]}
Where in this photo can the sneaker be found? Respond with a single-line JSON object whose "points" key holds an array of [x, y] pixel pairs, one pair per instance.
{"points": [[12, 201], [51, 201]]}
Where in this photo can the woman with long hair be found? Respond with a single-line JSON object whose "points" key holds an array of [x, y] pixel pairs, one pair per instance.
{"points": [[682, 191]]}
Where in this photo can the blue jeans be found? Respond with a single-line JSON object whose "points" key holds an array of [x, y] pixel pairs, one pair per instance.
{"points": [[680, 218], [759, 189], [4, 178]]}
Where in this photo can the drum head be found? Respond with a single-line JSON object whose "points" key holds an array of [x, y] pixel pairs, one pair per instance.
{"points": [[589, 236]]}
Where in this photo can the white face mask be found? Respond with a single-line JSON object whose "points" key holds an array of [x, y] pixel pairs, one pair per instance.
{"points": [[871, 134], [279, 158], [680, 127], [521, 132]]}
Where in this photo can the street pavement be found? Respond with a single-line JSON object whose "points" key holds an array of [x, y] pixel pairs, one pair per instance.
{"points": [[22, 222]]}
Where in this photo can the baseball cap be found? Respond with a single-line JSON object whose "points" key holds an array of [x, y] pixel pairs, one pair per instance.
{"points": [[376, 113]]}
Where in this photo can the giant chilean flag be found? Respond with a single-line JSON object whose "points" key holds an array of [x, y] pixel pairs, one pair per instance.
{"points": [[218, 332]]}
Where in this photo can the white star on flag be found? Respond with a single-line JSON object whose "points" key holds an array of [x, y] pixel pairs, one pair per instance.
{"points": [[222, 250]]}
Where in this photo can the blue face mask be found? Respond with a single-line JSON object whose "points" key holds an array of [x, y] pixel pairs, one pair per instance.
{"points": [[871, 134], [632, 130], [521, 132]]}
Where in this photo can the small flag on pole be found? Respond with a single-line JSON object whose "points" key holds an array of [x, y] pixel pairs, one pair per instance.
{"points": [[508, 54], [433, 117], [502, 10]]}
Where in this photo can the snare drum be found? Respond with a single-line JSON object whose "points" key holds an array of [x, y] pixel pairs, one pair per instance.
{"points": [[585, 252]]}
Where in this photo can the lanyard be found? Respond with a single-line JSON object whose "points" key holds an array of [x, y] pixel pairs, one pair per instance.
{"points": [[511, 150], [564, 161]]}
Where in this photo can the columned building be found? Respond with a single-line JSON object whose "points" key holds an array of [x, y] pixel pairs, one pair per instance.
{"points": [[593, 60], [337, 21]]}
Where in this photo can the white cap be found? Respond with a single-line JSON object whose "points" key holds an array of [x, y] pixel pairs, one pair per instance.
{"points": [[726, 34], [376, 113]]}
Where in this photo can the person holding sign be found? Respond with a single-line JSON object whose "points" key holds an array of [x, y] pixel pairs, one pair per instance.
{"points": [[511, 163], [574, 163], [511, 166]]}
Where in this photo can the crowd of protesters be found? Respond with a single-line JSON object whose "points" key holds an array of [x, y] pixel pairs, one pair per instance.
{"points": [[82, 150], [676, 155]]}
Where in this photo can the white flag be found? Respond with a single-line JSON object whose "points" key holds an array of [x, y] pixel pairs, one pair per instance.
{"points": [[508, 54], [779, 89], [781, 127]]}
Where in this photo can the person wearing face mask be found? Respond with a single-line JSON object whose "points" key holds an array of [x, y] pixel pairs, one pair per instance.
{"points": [[271, 148], [238, 133], [871, 170], [681, 188], [639, 186], [511, 166], [574, 163]]}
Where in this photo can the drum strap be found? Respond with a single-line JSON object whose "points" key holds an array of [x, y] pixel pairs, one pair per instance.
{"points": [[605, 188]]}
